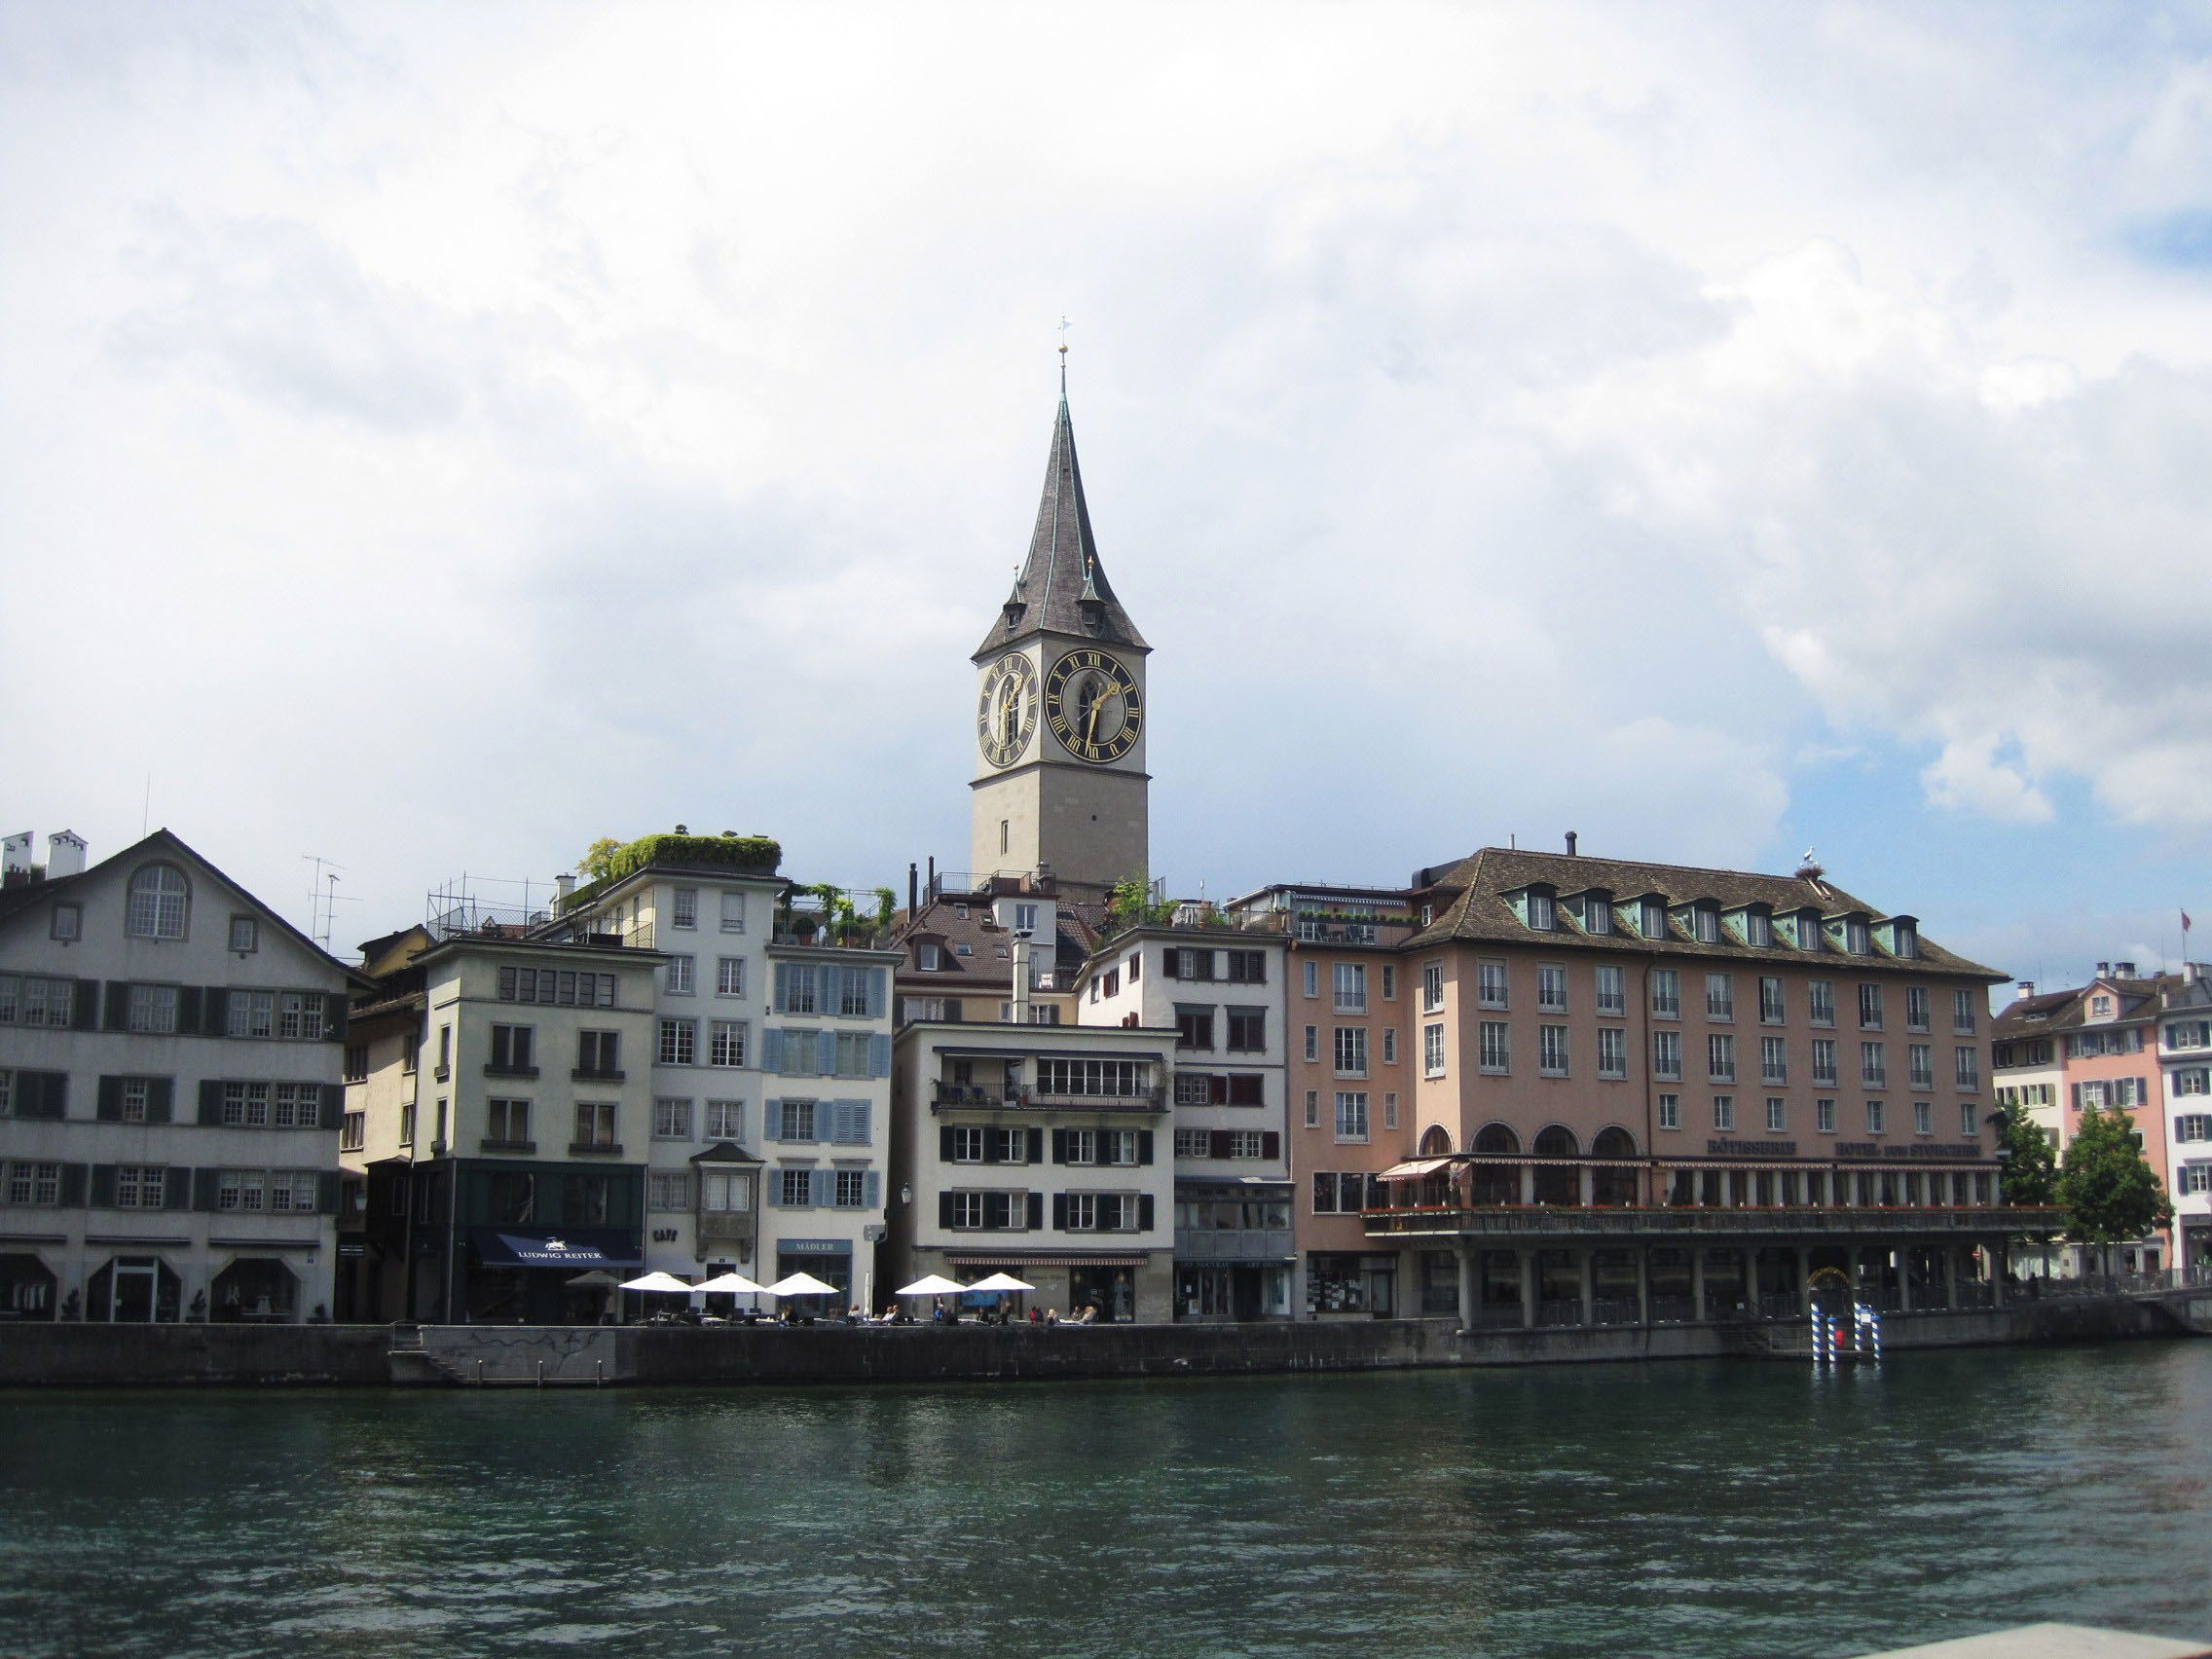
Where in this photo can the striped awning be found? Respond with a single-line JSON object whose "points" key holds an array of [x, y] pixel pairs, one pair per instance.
{"points": [[1415, 1170], [1045, 1260]]}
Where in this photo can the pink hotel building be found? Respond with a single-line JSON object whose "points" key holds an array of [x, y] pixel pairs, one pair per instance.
{"points": [[1590, 1092]]}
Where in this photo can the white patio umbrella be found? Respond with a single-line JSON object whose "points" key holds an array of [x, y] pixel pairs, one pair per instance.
{"points": [[798, 1284], [731, 1284], [666, 1284], [1000, 1282], [933, 1284]]}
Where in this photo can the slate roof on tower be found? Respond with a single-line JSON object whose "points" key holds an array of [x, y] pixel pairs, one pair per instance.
{"points": [[1062, 587]]}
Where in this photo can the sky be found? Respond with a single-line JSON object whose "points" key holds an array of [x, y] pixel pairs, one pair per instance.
{"points": [[433, 437]]}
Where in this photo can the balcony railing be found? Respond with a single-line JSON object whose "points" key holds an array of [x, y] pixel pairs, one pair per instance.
{"points": [[1568, 1221], [953, 1096]]}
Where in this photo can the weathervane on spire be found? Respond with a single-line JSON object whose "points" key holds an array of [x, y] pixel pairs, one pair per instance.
{"points": [[1065, 327]]}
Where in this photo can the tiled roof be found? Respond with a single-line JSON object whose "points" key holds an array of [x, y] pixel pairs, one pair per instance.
{"points": [[983, 969], [2140, 999], [1480, 911], [1062, 571]]}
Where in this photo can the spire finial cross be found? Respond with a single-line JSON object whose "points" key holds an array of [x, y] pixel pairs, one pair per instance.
{"points": [[1065, 327]]}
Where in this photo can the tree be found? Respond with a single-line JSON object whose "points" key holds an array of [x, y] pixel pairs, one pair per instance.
{"points": [[1128, 904], [597, 861], [2029, 1172], [2113, 1192]]}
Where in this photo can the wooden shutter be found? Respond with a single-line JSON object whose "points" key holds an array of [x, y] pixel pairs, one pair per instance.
{"points": [[1060, 1212], [822, 1187], [877, 979], [161, 1099], [103, 1186], [1144, 1212], [991, 1146], [109, 1109], [336, 1008], [1059, 1146], [945, 1143], [1217, 1089], [825, 1053], [1217, 1143], [1144, 1145], [783, 996], [178, 1194], [863, 1125], [118, 1004], [72, 1186], [214, 1011], [188, 998], [1036, 1146], [879, 1055], [1033, 1211], [206, 1185], [771, 1119], [1270, 1144], [85, 1011], [326, 1192], [210, 1101], [333, 1105], [953, 1010], [944, 1211], [772, 1050], [47, 1093]]}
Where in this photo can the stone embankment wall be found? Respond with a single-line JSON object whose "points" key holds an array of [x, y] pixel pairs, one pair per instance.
{"points": [[512, 1355]]}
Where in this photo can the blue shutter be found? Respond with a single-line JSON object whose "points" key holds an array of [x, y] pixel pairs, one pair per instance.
{"points": [[772, 1188], [772, 1119], [825, 1053], [871, 1190], [879, 1055], [863, 1130], [823, 1187], [876, 980], [772, 1048], [783, 1003]]}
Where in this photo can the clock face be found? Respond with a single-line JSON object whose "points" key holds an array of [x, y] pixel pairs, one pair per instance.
{"points": [[1092, 704], [1006, 717]]}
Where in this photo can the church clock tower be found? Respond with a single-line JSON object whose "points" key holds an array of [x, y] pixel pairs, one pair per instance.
{"points": [[1062, 711]]}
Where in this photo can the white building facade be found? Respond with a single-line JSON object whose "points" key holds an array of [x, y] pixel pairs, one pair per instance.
{"points": [[169, 1094]]}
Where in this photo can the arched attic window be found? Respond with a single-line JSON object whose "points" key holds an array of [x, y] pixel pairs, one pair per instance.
{"points": [[160, 903]]}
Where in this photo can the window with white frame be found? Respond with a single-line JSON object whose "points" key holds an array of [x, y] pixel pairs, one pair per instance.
{"points": [[1312, 1108], [1490, 984], [1551, 988], [1667, 1055], [672, 1119], [1819, 1001], [1720, 1058], [1869, 1006], [1432, 1049], [1652, 920], [1194, 1143], [2193, 1079], [1970, 1119], [1597, 914], [2195, 1178], [1923, 1117], [1920, 1065], [158, 901], [1311, 977], [245, 935], [1612, 1051], [1118, 1146], [733, 912], [1967, 1064], [967, 1143], [1962, 1013], [1390, 981], [1313, 1042], [725, 1120], [2189, 1034], [1823, 1117], [1669, 1111], [1496, 1049], [153, 1008], [1724, 1112], [1390, 1045], [1758, 929], [1706, 920], [1776, 1113], [1666, 994], [671, 1192], [1551, 1050], [1432, 987], [683, 908], [1721, 996], [1542, 914], [595, 1124], [506, 1123], [1823, 1059], [680, 976], [729, 976], [678, 1043], [1916, 1007], [1773, 1009], [1876, 1117], [1874, 1067], [725, 1042], [1612, 991], [1350, 986], [1774, 1059], [140, 1186], [1351, 1050], [1352, 1115], [2194, 1126]]}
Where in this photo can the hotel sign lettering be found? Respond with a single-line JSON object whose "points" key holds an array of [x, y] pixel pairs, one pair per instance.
{"points": [[1751, 1149], [1924, 1148]]}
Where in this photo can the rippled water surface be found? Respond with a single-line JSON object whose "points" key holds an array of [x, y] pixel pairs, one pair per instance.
{"points": [[1672, 1509]]}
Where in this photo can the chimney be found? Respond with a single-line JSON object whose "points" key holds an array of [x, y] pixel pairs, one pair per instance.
{"points": [[1020, 977], [15, 856], [913, 890], [564, 884], [1572, 839], [64, 855], [2124, 970], [2027, 989], [2104, 970]]}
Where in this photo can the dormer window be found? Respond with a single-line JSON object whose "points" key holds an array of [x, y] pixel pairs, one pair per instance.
{"points": [[1758, 929], [1855, 935], [1905, 938], [928, 956], [1597, 913], [1541, 913], [1702, 923], [1809, 934], [1653, 923], [2100, 1007], [1094, 616]]}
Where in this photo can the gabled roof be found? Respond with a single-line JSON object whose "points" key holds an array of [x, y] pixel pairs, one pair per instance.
{"points": [[165, 843], [1481, 911], [1062, 577]]}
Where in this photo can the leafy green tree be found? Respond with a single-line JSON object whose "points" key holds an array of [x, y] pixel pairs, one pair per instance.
{"points": [[597, 861], [1129, 904], [2029, 1170], [2112, 1190]]}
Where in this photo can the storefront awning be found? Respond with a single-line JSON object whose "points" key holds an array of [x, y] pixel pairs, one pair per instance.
{"points": [[1045, 1260], [1415, 1170], [575, 1249]]}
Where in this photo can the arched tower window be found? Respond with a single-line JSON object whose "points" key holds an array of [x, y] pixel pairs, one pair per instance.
{"points": [[1435, 1141], [160, 898]]}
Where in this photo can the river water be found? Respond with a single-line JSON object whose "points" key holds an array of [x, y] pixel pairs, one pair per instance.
{"points": [[1710, 1509]]}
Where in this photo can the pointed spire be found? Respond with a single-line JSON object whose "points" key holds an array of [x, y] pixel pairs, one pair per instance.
{"points": [[1062, 587]]}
